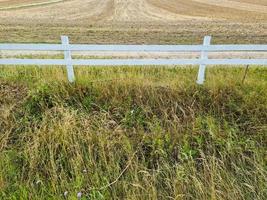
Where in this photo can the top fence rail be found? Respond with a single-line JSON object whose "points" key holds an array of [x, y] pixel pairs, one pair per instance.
{"points": [[132, 48], [69, 62]]}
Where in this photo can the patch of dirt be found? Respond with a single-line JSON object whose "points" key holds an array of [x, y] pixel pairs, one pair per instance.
{"points": [[15, 4], [136, 21], [235, 5], [230, 11], [141, 12], [78, 11], [258, 2]]}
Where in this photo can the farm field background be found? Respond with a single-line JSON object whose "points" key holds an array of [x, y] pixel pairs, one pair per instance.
{"points": [[139, 21]]}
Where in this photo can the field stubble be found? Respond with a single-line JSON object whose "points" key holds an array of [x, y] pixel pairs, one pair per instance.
{"points": [[141, 21]]}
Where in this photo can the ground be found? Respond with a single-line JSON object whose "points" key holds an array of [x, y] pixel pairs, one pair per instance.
{"points": [[139, 21], [133, 132]]}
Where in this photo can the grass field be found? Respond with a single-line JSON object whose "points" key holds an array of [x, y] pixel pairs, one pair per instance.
{"points": [[133, 133]]}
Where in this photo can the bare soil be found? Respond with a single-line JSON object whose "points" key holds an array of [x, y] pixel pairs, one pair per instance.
{"points": [[134, 21]]}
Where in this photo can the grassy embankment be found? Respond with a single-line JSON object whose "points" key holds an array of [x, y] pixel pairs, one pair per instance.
{"points": [[133, 133]]}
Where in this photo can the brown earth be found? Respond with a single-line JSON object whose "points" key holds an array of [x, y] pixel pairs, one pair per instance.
{"points": [[134, 11], [134, 21]]}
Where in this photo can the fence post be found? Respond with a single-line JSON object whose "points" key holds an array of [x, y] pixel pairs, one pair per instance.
{"points": [[67, 57], [202, 67]]}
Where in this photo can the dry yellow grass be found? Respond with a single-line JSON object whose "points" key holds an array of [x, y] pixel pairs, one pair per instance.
{"points": [[138, 11], [132, 133]]}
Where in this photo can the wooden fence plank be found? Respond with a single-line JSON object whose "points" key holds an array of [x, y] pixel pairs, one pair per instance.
{"points": [[133, 48], [69, 62], [67, 57]]}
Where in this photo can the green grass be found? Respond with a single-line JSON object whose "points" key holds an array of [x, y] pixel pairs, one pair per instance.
{"points": [[87, 33], [133, 133]]}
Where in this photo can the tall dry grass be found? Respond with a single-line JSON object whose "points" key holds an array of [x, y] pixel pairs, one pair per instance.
{"points": [[133, 133]]}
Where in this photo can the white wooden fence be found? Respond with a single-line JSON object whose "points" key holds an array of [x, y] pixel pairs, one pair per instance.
{"points": [[69, 62]]}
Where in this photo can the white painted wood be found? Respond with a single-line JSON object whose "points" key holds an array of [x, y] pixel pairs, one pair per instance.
{"points": [[202, 67], [133, 48], [67, 57], [167, 48]]}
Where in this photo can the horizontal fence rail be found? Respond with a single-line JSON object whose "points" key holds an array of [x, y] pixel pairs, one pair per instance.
{"points": [[132, 48], [69, 62]]}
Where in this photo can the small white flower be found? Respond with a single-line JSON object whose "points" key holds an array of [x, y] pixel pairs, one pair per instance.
{"points": [[79, 195], [84, 171], [65, 193], [132, 111]]}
